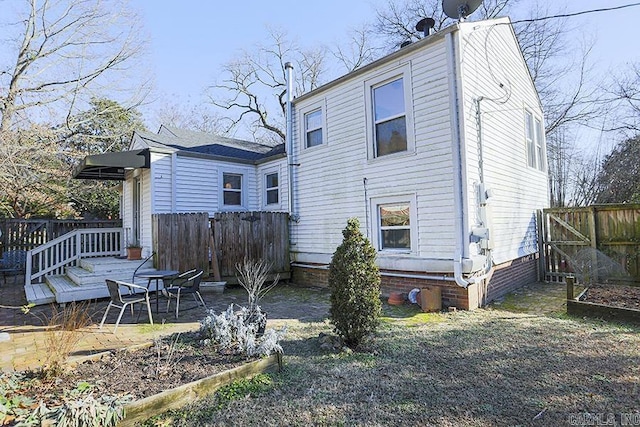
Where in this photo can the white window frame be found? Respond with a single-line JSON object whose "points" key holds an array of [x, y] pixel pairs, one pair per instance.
{"points": [[318, 106], [377, 229], [244, 189], [403, 72], [267, 188], [534, 141]]}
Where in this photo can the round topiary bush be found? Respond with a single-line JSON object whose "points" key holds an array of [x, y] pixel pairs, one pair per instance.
{"points": [[354, 281]]}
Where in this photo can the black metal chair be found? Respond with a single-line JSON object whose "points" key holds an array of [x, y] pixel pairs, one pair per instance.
{"points": [[185, 283], [128, 300]]}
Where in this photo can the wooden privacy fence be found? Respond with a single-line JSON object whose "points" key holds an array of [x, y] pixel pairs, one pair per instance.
{"points": [[26, 234], [251, 235], [613, 230], [181, 241]]}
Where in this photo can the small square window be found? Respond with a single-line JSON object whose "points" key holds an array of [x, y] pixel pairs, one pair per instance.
{"points": [[313, 128], [272, 188], [232, 189], [395, 226]]}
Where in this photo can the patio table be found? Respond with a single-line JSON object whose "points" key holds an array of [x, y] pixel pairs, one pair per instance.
{"points": [[156, 275]]}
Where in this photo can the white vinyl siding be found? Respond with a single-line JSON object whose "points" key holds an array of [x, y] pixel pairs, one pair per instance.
{"points": [[500, 76], [196, 186], [331, 182]]}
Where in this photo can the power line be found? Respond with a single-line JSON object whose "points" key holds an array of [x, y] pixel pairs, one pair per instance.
{"points": [[569, 15]]}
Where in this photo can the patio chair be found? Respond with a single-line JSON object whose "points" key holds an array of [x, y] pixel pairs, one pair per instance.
{"points": [[185, 283], [13, 262], [121, 301]]}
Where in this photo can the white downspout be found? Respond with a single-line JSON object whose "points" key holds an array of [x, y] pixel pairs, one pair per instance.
{"points": [[458, 194], [289, 139]]}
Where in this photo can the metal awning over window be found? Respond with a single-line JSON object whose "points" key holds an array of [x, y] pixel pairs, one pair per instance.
{"points": [[111, 166]]}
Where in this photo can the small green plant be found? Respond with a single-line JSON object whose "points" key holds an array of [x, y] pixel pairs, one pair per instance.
{"points": [[354, 281], [242, 388]]}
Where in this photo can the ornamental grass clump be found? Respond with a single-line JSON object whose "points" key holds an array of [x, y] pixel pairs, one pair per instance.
{"points": [[354, 281]]}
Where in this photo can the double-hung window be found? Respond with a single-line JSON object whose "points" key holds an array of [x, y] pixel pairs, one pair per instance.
{"points": [[271, 188], [313, 128], [534, 136], [390, 124], [395, 226], [232, 189], [389, 113]]}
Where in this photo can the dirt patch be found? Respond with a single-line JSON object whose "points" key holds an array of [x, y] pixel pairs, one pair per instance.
{"points": [[168, 363], [615, 295]]}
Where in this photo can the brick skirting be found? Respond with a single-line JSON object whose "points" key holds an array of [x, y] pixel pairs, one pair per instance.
{"points": [[504, 279]]}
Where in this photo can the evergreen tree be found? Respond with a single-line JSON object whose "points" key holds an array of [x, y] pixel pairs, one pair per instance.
{"points": [[354, 281]]}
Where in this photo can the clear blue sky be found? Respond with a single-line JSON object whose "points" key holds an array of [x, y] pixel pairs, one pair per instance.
{"points": [[191, 39]]}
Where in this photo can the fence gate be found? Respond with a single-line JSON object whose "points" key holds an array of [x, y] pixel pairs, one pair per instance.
{"points": [[181, 241], [610, 230], [251, 235]]}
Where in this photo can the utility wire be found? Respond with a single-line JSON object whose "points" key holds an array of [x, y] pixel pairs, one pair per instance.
{"points": [[584, 12]]}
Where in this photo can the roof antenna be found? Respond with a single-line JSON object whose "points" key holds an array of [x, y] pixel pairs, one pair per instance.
{"points": [[425, 25], [460, 9]]}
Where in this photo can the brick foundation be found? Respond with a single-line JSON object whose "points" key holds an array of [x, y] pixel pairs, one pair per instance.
{"points": [[504, 279]]}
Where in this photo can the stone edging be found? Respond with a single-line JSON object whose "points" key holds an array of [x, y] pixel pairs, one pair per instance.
{"points": [[174, 398]]}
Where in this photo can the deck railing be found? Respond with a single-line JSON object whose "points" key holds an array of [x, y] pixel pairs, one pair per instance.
{"points": [[54, 256]]}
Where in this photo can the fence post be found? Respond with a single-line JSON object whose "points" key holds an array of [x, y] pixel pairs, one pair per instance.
{"points": [[541, 253], [593, 240], [570, 281]]}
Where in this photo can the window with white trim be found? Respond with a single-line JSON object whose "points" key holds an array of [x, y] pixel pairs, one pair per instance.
{"points": [[389, 118], [231, 189], [272, 189], [389, 113], [534, 135], [313, 128], [394, 226]]}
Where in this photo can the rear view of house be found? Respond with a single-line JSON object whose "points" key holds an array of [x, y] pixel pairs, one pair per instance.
{"points": [[438, 149]]}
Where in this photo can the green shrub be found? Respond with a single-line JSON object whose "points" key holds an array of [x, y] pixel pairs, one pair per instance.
{"points": [[354, 281]]}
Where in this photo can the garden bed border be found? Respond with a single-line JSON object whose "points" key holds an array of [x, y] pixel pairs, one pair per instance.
{"points": [[174, 398], [578, 307]]}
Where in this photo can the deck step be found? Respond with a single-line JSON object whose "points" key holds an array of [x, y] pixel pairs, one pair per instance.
{"points": [[39, 294], [83, 277], [106, 265], [66, 290]]}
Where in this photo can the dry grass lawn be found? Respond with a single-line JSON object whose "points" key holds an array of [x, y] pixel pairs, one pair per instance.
{"points": [[490, 367]]}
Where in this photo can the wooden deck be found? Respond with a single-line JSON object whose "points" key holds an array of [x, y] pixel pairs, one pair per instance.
{"points": [[85, 282]]}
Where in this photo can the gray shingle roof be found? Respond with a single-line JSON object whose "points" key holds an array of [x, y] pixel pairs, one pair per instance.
{"points": [[172, 138]]}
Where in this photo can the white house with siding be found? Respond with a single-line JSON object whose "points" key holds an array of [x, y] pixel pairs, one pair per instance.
{"points": [[197, 172], [438, 149]]}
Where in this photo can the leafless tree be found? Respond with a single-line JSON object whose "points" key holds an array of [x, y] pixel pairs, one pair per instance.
{"points": [[625, 93], [198, 117], [61, 53], [396, 21], [253, 86]]}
